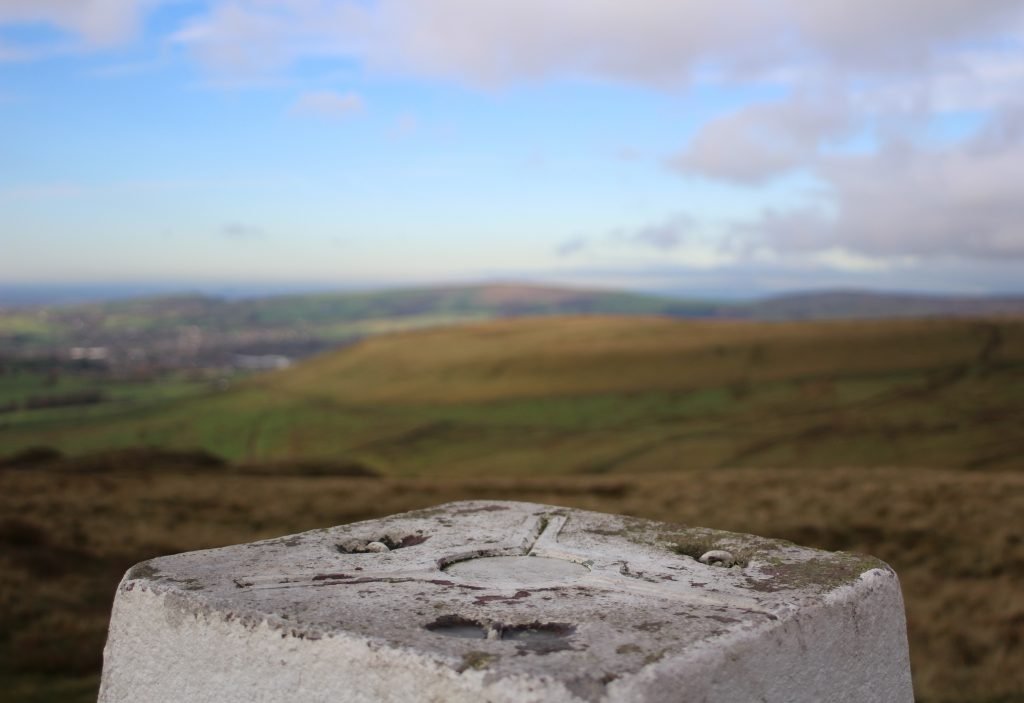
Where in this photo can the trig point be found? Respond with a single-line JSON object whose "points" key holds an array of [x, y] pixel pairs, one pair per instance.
{"points": [[496, 601]]}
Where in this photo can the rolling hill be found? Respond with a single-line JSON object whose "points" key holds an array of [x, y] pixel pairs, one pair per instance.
{"points": [[188, 331], [193, 330], [604, 395], [852, 304]]}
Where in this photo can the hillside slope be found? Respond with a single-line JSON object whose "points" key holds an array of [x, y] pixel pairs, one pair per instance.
{"points": [[853, 304], [191, 330], [597, 395]]}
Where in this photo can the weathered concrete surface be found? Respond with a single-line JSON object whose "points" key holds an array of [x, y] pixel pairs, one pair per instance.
{"points": [[583, 607]]}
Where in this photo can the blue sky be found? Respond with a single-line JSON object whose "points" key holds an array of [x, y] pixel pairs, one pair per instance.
{"points": [[729, 148]]}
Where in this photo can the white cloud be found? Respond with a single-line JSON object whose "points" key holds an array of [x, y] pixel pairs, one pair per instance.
{"points": [[884, 33], [653, 42], [968, 79], [243, 39], [236, 40], [49, 191], [242, 232], [643, 41], [905, 200], [847, 66], [677, 234], [328, 104], [794, 273], [572, 246], [491, 43], [663, 236], [763, 140], [97, 22]]}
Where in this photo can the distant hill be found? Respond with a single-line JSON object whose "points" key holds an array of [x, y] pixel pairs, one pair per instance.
{"points": [[603, 395], [862, 304], [194, 330]]}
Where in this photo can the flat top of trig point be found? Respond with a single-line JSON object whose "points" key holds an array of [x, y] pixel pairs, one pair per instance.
{"points": [[510, 588]]}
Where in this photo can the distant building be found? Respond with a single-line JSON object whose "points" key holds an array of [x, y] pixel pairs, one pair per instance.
{"points": [[265, 362], [89, 353], [190, 339]]}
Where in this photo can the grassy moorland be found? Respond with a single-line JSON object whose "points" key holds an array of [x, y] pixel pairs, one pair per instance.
{"points": [[591, 396], [902, 439]]}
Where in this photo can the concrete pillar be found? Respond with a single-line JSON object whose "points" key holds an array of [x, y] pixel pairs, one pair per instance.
{"points": [[497, 601]]}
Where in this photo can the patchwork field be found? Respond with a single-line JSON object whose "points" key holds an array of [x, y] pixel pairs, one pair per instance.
{"points": [[602, 396]]}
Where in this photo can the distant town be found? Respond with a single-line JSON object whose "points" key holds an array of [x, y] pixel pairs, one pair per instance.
{"points": [[211, 337]]}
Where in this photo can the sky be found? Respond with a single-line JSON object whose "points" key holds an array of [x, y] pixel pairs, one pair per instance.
{"points": [[705, 147]]}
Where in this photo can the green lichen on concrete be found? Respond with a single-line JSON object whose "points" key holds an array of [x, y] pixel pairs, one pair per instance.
{"points": [[476, 660], [775, 566], [694, 546], [189, 584], [696, 541], [427, 513], [145, 570], [542, 524], [655, 657], [821, 574]]}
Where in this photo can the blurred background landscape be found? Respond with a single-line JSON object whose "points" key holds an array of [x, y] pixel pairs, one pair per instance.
{"points": [[273, 265], [144, 427]]}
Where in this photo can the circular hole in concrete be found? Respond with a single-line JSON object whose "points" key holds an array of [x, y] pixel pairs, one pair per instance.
{"points": [[540, 637], [516, 570], [387, 543], [538, 632], [457, 626]]}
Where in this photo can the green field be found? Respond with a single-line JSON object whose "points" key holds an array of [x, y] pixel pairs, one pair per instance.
{"points": [[601, 396], [21, 387]]}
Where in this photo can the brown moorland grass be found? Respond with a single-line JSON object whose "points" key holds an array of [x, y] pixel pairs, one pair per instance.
{"points": [[589, 355], [955, 538], [605, 395]]}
